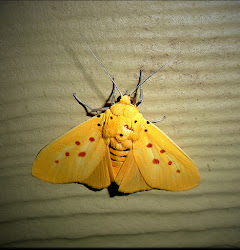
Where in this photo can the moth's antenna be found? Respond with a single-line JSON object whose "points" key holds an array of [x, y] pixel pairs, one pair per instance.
{"points": [[101, 64], [153, 74]]}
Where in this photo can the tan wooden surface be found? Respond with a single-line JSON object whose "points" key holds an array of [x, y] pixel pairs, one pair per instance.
{"points": [[44, 60]]}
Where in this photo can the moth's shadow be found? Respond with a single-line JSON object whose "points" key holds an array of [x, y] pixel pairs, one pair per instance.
{"points": [[112, 190]]}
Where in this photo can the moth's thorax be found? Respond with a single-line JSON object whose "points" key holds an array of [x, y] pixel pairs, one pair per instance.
{"points": [[123, 123]]}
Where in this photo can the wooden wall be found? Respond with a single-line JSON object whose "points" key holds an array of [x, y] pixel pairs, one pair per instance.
{"points": [[44, 60]]}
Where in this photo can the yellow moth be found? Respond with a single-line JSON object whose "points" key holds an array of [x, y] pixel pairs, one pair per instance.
{"points": [[118, 146]]}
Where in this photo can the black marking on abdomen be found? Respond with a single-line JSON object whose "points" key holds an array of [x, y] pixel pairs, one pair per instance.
{"points": [[119, 150], [118, 155]]}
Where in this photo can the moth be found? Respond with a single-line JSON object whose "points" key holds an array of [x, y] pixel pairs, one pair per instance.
{"points": [[119, 146]]}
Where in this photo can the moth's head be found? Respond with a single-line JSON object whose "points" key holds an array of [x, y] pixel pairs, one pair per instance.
{"points": [[126, 99]]}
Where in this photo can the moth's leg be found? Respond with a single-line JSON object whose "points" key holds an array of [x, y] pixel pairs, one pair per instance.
{"points": [[113, 94], [85, 105], [159, 120], [139, 81], [141, 89]]}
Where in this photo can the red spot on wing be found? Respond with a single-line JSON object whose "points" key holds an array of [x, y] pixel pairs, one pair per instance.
{"points": [[178, 171], [149, 145], [162, 151], [91, 139], [155, 161], [56, 161], [67, 153], [82, 154], [77, 142], [169, 163]]}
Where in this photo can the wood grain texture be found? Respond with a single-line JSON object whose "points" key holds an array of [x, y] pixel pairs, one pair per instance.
{"points": [[43, 60]]}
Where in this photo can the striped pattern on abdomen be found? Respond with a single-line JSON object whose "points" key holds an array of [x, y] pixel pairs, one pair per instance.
{"points": [[117, 158]]}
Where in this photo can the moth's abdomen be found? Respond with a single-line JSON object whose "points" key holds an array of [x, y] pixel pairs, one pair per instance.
{"points": [[118, 156]]}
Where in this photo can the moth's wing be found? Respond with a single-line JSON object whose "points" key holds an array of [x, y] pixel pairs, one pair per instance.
{"points": [[102, 176], [162, 163], [80, 155], [129, 177]]}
